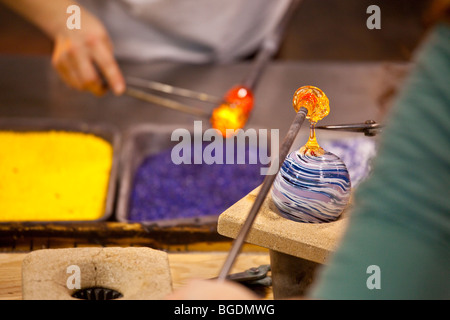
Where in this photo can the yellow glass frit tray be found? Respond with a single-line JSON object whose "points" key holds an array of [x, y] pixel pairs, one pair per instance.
{"points": [[99, 144]]}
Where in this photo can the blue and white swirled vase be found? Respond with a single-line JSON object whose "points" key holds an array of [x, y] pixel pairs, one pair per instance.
{"points": [[312, 189]]}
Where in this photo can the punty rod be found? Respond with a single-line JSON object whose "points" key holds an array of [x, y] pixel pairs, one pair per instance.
{"points": [[265, 188], [269, 47]]}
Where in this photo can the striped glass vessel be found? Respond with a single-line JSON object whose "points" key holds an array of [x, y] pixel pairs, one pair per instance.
{"points": [[310, 188]]}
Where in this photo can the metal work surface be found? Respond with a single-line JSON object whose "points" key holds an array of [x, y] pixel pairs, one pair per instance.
{"points": [[29, 87]]}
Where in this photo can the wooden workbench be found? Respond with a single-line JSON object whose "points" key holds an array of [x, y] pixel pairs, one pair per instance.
{"points": [[183, 266]]}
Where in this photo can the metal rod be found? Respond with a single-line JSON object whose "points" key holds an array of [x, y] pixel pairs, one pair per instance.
{"points": [[167, 103], [369, 127], [265, 188], [269, 48], [169, 89]]}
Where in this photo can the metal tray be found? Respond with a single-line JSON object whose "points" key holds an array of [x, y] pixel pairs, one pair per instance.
{"points": [[102, 130], [139, 143]]}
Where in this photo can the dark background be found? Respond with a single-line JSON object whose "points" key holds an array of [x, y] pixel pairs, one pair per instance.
{"points": [[320, 30]]}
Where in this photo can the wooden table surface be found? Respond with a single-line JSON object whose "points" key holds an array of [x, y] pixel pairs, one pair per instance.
{"points": [[184, 266]]}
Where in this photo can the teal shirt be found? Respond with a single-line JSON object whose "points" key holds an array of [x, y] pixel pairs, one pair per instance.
{"points": [[401, 221]]}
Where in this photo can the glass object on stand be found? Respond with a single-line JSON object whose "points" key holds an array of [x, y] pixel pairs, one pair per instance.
{"points": [[313, 185]]}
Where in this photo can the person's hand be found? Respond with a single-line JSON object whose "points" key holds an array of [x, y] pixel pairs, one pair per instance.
{"points": [[212, 290], [81, 54]]}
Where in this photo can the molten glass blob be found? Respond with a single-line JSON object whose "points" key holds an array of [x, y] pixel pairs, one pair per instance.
{"points": [[314, 100], [234, 111], [227, 116], [313, 185], [241, 97], [312, 147], [318, 106]]}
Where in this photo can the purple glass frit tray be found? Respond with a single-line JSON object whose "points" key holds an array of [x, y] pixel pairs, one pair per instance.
{"points": [[147, 142]]}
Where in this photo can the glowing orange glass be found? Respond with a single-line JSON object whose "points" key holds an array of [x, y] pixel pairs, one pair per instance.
{"points": [[228, 116], [234, 112], [241, 97], [318, 106]]}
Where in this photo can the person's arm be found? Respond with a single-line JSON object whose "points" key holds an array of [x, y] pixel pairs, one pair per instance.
{"points": [[401, 222], [398, 242], [77, 53]]}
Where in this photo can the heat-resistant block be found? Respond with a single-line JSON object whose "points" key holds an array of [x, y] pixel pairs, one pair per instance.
{"points": [[310, 241], [137, 273]]}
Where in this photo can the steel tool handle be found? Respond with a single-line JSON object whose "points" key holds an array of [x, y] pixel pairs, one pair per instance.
{"points": [[266, 185]]}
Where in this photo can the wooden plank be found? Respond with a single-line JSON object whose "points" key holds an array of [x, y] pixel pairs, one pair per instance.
{"points": [[11, 276]]}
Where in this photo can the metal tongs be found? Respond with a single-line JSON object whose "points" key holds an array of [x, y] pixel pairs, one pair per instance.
{"points": [[136, 85], [134, 90], [369, 127]]}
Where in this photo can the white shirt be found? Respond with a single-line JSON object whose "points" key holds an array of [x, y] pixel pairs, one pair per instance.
{"points": [[196, 31]]}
